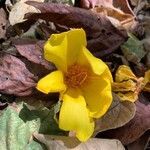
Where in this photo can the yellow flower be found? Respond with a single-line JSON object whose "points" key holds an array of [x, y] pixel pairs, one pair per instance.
{"points": [[127, 86], [147, 81], [83, 81]]}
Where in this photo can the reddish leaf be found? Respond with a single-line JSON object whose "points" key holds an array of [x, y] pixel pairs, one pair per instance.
{"points": [[33, 51], [134, 129], [105, 37], [15, 77], [93, 3], [141, 143]]}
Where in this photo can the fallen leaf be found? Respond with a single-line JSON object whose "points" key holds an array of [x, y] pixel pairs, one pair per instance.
{"points": [[70, 143], [18, 123], [5, 100], [121, 4], [117, 17], [3, 23], [147, 81], [14, 76], [124, 6], [134, 2], [141, 143], [133, 129], [133, 49], [118, 115], [105, 37], [126, 85], [15, 133], [16, 15], [67, 2], [47, 123], [93, 3], [33, 51]]}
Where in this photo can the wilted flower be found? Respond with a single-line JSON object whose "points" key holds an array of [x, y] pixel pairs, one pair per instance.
{"points": [[127, 86], [83, 81]]}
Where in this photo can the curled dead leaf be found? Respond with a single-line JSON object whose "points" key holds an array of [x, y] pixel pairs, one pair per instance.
{"points": [[127, 86], [33, 51], [103, 36], [3, 22], [18, 11], [133, 129], [15, 78], [71, 143], [117, 17], [118, 115], [93, 3]]}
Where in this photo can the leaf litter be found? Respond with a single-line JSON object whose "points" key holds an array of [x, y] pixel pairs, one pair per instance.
{"points": [[117, 32]]}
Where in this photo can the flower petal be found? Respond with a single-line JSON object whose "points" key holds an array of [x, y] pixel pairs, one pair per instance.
{"points": [[98, 95], [147, 81], [128, 96], [124, 73], [63, 49], [53, 82], [123, 86], [74, 115], [96, 65]]}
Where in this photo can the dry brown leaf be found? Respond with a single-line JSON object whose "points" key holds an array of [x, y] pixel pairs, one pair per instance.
{"points": [[33, 51], [14, 76], [93, 3], [141, 143], [18, 11], [124, 6], [118, 115], [3, 22], [117, 17], [71, 143], [135, 128], [105, 37]]}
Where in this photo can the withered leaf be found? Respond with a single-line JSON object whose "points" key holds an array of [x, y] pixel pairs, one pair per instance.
{"points": [[123, 5], [141, 143], [71, 143], [133, 49], [33, 51], [104, 36], [93, 3], [118, 115], [18, 11], [3, 22], [15, 77], [133, 129]]}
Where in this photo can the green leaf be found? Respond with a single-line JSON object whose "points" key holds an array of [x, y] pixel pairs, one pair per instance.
{"points": [[35, 146], [133, 49], [14, 132], [18, 123], [69, 143], [120, 113]]}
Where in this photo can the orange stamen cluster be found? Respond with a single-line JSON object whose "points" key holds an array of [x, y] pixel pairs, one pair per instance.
{"points": [[76, 75]]}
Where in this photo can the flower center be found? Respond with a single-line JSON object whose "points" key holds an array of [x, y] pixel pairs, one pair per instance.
{"points": [[76, 75]]}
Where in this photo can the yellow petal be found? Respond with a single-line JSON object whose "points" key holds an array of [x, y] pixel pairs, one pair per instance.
{"points": [[96, 65], [63, 49], [147, 87], [123, 86], [74, 115], [124, 73], [147, 77], [147, 81], [53, 82], [129, 96], [98, 95]]}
